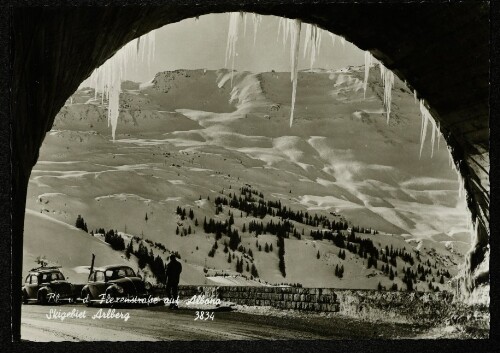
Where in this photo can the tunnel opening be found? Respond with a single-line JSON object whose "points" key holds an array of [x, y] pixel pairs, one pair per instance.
{"points": [[476, 258]]}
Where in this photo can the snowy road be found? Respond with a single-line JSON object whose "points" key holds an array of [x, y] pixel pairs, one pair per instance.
{"points": [[159, 323]]}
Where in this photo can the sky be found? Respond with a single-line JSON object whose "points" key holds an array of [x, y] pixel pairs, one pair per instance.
{"points": [[201, 44]]}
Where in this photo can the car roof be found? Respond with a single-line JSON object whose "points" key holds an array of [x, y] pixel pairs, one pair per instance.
{"points": [[110, 267], [45, 270]]}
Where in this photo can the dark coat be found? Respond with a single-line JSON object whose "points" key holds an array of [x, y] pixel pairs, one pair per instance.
{"points": [[174, 269]]}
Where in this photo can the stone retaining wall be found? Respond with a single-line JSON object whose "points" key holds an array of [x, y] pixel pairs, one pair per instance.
{"points": [[311, 299], [393, 306]]}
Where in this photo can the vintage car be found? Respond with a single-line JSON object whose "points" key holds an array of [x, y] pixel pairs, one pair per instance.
{"points": [[47, 285], [114, 281]]}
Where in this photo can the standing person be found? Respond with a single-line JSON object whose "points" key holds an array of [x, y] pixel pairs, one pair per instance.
{"points": [[173, 273]]}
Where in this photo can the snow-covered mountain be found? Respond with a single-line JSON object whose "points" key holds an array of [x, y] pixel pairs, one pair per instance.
{"points": [[190, 136]]}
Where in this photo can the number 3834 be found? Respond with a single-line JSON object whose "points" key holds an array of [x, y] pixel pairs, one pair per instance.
{"points": [[204, 315]]}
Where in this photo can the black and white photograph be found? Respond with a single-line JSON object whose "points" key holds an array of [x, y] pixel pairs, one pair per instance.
{"points": [[228, 171]]}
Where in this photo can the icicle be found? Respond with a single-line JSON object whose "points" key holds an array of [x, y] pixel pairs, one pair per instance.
{"points": [[433, 137], [438, 133], [318, 37], [151, 38], [232, 38], [307, 38], [333, 36], [294, 58], [388, 81], [281, 23], [284, 25], [415, 95], [244, 15], [114, 104], [106, 79], [426, 116], [368, 63], [257, 19]]}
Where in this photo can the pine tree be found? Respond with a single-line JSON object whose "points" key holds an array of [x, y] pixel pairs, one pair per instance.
{"points": [[146, 218], [266, 248], [129, 250], [196, 222], [318, 255], [254, 271], [177, 230], [229, 258], [80, 224]]}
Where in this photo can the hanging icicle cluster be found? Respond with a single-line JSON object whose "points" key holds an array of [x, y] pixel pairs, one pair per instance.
{"points": [[312, 42], [106, 79], [387, 77], [257, 19], [235, 18], [426, 119], [289, 29]]}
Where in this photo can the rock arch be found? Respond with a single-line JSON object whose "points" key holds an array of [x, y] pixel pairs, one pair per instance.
{"points": [[440, 49]]}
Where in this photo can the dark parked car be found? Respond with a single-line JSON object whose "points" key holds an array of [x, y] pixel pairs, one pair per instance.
{"points": [[46, 285], [117, 281]]}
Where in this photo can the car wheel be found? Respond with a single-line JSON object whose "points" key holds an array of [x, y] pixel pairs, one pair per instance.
{"points": [[88, 300], [42, 297], [111, 294]]}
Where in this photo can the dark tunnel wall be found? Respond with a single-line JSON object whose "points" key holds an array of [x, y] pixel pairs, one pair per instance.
{"points": [[441, 50]]}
